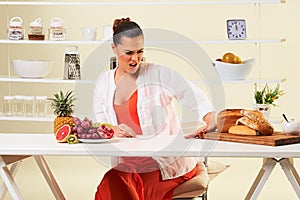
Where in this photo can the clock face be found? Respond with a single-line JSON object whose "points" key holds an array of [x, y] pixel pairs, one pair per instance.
{"points": [[236, 29]]}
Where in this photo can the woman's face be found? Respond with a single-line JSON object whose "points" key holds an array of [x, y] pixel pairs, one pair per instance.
{"points": [[130, 53]]}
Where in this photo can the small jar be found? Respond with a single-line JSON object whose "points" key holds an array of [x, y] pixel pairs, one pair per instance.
{"points": [[8, 105], [56, 30], [15, 30], [29, 106], [36, 31], [19, 106], [41, 106]]}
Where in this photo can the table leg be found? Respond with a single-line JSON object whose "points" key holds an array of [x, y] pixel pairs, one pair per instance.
{"points": [[261, 178], [9, 181], [291, 174], [13, 169], [49, 177]]}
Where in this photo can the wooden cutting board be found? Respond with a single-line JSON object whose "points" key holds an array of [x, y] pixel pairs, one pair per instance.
{"points": [[277, 139]]}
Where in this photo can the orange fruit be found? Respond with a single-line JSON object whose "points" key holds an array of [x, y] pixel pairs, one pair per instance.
{"points": [[228, 57], [237, 60]]}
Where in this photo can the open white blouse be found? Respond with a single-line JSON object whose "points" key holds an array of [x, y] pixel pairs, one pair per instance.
{"points": [[157, 86]]}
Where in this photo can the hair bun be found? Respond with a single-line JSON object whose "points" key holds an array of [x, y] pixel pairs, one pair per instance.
{"points": [[119, 21]]}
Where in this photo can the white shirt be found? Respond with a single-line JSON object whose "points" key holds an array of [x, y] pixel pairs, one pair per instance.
{"points": [[157, 86]]}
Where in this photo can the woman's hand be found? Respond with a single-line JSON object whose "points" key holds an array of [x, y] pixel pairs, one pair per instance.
{"points": [[122, 130], [211, 125], [198, 132]]}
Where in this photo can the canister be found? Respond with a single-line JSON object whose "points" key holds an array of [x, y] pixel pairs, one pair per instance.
{"points": [[8, 105], [19, 105], [56, 30], [29, 106], [41, 106], [36, 31], [15, 30]]}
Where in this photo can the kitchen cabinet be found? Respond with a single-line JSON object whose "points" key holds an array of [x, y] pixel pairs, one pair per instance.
{"points": [[99, 11]]}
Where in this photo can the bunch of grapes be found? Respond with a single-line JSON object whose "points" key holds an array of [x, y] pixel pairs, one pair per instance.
{"points": [[86, 129]]}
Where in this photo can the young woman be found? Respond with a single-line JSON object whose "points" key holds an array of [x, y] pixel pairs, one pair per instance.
{"points": [[137, 98]]}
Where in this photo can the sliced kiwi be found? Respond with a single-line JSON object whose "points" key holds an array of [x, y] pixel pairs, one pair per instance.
{"points": [[72, 139]]}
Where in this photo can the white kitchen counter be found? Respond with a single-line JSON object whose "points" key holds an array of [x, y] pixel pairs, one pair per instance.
{"points": [[46, 144], [15, 147]]}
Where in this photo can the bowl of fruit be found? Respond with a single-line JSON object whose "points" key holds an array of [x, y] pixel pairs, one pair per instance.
{"points": [[232, 67], [87, 130]]}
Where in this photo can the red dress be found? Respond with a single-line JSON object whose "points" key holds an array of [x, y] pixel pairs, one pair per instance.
{"points": [[136, 178]]}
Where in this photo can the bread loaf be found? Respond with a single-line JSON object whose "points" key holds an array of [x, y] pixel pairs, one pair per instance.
{"points": [[227, 118], [256, 120], [242, 130]]}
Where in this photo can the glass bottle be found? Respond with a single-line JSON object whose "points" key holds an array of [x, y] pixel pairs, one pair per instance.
{"points": [[29, 105], [15, 30], [41, 105], [19, 105], [36, 31], [8, 105], [56, 30]]}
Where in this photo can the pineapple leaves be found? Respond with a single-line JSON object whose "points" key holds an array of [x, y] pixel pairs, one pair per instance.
{"points": [[62, 104]]}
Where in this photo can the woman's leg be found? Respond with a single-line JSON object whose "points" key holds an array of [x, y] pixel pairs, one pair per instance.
{"points": [[120, 185], [156, 188]]}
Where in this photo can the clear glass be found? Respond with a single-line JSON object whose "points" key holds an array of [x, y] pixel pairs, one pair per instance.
{"points": [[19, 106], [29, 104], [8, 105], [41, 106]]}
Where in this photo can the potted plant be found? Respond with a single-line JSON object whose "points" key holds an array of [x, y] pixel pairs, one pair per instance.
{"points": [[266, 97]]}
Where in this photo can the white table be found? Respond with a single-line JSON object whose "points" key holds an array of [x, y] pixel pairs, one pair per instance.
{"points": [[15, 147]]}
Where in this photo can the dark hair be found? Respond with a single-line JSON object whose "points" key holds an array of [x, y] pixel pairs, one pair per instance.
{"points": [[125, 27]]}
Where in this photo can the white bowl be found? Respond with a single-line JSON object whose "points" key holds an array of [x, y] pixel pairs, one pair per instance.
{"points": [[291, 128], [229, 71], [32, 68]]}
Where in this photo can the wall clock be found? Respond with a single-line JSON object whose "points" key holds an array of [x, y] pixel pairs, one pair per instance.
{"points": [[236, 29]]}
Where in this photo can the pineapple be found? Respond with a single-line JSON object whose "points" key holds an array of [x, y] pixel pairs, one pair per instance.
{"points": [[62, 105]]}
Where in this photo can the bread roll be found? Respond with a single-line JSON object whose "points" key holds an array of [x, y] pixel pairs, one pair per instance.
{"points": [[227, 118], [242, 130]]}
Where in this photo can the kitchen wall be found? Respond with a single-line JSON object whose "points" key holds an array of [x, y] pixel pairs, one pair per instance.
{"points": [[274, 61]]}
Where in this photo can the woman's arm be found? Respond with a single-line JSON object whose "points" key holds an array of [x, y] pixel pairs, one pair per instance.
{"points": [[210, 125]]}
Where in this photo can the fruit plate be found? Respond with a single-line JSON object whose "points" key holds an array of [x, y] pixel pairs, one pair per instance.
{"points": [[97, 140]]}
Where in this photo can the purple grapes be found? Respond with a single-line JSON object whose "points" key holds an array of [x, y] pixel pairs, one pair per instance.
{"points": [[84, 129]]}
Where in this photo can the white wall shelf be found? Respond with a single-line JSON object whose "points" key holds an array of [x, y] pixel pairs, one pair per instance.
{"points": [[43, 80], [64, 42], [137, 3], [246, 81], [51, 119], [98, 42], [35, 119], [59, 81]]}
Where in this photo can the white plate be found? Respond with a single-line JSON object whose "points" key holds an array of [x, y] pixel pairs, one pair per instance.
{"points": [[97, 140]]}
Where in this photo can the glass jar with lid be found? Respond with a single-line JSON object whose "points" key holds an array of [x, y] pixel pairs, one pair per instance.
{"points": [[29, 105], [15, 30], [36, 31], [41, 106], [8, 102], [19, 106], [56, 30]]}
